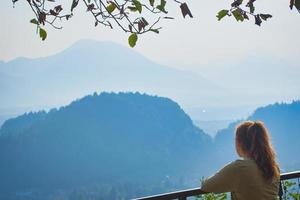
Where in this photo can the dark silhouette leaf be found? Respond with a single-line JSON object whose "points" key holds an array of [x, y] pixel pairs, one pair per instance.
{"points": [[237, 3], [291, 4], [257, 20], [58, 8], [52, 12], [74, 4], [245, 16], [162, 6], [145, 23], [130, 28], [140, 26], [42, 18], [185, 10], [90, 7], [151, 2], [68, 17], [169, 17], [265, 16], [155, 30]]}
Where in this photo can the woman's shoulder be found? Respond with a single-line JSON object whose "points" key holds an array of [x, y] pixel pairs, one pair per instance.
{"points": [[240, 167], [233, 165], [243, 163]]}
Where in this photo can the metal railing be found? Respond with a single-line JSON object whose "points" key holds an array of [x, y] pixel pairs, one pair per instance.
{"points": [[184, 194]]}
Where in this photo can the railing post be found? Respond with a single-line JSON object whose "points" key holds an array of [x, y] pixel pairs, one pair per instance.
{"points": [[280, 191]]}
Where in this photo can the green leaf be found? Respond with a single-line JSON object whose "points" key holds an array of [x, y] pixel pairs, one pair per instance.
{"points": [[151, 2], [111, 7], [297, 4], [252, 8], [162, 6], [138, 5], [289, 184], [222, 14], [132, 9], [155, 30], [34, 21], [238, 15], [43, 34], [265, 16], [132, 39]]}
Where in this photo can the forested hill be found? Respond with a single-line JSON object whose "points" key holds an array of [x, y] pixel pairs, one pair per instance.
{"points": [[126, 144], [283, 122]]}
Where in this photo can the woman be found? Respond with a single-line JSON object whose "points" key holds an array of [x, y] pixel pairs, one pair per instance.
{"points": [[254, 177]]}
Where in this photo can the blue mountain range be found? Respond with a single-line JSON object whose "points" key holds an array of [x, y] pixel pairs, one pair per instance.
{"points": [[124, 145]]}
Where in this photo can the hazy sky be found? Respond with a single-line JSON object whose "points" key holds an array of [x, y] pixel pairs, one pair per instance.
{"points": [[203, 45], [184, 43]]}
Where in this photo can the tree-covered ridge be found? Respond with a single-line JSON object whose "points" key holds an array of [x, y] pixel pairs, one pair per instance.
{"points": [[123, 145], [16, 126], [126, 144], [108, 106]]}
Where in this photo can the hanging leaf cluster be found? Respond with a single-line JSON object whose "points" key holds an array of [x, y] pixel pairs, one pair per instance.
{"points": [[241, 14], [135, 17], [42, 32]]}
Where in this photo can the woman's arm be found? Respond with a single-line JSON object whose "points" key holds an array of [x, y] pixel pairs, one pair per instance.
{"points": [[225, 180]]}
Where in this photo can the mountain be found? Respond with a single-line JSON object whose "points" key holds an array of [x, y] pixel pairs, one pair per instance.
{"points": [[124, 145], [88, 66], [272, 78], [107, 146], [283, 123]]}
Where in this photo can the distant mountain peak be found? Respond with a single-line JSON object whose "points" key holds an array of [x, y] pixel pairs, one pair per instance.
{"points": [[89, 65]]}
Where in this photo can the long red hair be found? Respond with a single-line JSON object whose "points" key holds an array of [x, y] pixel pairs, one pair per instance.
{"points": [[254, 139]]}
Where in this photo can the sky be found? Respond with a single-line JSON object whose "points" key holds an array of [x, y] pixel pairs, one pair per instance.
{"points": [[203, 45], [183, 43]]}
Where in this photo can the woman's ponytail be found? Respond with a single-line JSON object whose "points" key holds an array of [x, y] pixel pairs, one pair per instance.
{"points": [[254, 139]]}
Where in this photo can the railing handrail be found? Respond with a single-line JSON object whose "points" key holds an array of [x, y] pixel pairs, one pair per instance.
{"points": [[289, 175], [183, 194]]}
